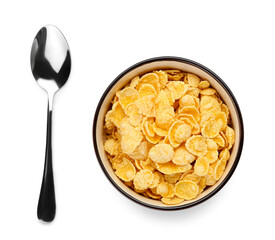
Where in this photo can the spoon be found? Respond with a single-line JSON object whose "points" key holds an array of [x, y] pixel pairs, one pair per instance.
{"points": [[51, 67]]}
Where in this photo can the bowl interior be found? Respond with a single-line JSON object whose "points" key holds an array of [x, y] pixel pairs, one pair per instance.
{"points": [[139, 70]]}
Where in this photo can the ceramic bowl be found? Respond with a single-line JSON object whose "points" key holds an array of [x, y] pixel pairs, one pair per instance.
{"points": [[167, 63]]}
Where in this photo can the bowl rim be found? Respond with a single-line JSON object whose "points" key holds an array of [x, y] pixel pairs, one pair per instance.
{"points": [[226, 88]]}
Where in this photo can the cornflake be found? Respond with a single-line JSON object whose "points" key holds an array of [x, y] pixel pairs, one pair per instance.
{"points": [[168, 135]]}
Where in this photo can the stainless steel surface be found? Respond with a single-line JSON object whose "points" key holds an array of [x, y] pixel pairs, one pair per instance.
{"points": [[50, 60], [51, 66]]}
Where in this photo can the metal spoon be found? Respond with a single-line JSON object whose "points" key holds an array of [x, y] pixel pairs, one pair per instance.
{"points": [[51, 67]]}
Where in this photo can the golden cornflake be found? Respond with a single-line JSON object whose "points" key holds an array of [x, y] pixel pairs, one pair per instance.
{"points": [[186, 189], [112, 146], [187, 100], [146, 89], [210, 129], [147, 164], [156, 180], [211, 145], [177, 89], [146, 105], [212, 151], [148, 131], [161, 153], [164, 99], [172, 201], [211, 156], [172, 178], [221, 119], [174, 75], [143, 179], [152, 195], [209, 180], [148, 128], [203, 84], [150, 78], [224, 138], [117, 114], [219, 141], [189, 119], [108, 123], [132, 112], [190, 110], [224, 154], [194, 91], [154, 139], [134, 82], [137, 165], [201, 167], [165, 117], [192, 79], [208, 91], [178, 133], [127, 95], [182, 156], [230, 136], [219, 169], [141, 151], [191, 176], [165, 189], [126, 170], [129, 183], [163, 78], [171, 168], [202, 184], [196, 145], [159, 131], [206, 117], [116, 162], [225, 109], [209, 104], [130, 138]]}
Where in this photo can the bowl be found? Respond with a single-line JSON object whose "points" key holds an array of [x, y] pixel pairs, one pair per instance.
{"points": [[167, 63]]}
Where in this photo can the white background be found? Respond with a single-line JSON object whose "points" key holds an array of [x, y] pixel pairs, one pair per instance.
{"points": [[235, 39]]}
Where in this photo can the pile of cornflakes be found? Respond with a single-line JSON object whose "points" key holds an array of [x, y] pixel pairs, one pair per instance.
{"points": [[168, 135]]}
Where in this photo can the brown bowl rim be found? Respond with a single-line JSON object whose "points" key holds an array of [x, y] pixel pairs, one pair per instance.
{"points": [[226, 88]]}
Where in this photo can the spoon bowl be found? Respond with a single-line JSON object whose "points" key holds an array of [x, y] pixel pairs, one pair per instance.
{"points": [[51, 67], [50, 59]]}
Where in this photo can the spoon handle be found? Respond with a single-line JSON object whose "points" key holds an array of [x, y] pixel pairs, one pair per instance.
{"points": [[46, 205]]}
